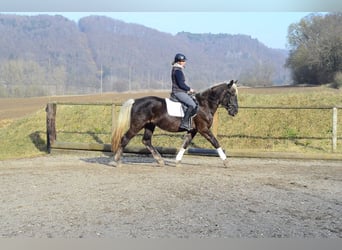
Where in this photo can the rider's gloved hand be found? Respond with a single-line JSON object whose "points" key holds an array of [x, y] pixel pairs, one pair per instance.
{"points": [[191, 91]]}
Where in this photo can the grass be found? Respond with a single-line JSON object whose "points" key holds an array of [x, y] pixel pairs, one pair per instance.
{"points": [[303, 130], [24, 137]]}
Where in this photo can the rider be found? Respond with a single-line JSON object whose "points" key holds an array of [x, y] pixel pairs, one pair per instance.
{"points": [[181, 90]]}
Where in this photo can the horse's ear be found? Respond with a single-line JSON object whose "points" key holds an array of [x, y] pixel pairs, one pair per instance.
{"points": [[230, 83]]}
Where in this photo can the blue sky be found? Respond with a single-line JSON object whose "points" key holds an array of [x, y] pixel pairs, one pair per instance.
{"points": [[270, 28]]}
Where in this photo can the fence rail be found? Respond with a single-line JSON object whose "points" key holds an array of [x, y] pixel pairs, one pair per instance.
{"points": [[51, 111]]}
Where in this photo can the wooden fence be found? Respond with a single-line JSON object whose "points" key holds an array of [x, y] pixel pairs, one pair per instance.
{"points": [[52, 142]]}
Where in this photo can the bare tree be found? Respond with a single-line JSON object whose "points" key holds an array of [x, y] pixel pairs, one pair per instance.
{"points": [[315, 48]]}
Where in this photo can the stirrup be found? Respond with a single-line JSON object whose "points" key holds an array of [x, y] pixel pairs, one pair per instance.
{"points": [[185, 126]]}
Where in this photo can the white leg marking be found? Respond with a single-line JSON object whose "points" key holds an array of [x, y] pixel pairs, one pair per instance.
{"points": [[221, 154], [180, 154]]}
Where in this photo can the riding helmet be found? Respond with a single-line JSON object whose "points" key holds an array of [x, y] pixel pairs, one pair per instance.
{"points": [[180, 58]]}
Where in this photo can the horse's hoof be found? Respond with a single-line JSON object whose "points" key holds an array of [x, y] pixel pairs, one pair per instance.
{"points": [[116, 164], [178, 164], [161, 164], [226, 163]]}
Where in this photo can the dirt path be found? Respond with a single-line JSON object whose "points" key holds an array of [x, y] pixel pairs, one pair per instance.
{"points": [[81, 196], [12, 108]]}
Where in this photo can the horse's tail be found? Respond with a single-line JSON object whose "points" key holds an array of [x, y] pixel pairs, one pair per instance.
{"points": [[122, 124]]}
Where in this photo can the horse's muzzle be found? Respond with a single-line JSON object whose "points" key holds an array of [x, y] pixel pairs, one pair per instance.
{"points": [[232, 111]]}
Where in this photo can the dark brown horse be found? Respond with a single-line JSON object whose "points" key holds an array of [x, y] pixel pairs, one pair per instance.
{"points": [[149, 112]]}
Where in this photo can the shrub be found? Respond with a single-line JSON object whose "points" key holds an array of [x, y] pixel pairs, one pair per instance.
{"points": [[337, 83]]}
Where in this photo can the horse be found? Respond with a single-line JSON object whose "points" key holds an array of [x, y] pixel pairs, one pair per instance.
{"points": [[151, 111]]}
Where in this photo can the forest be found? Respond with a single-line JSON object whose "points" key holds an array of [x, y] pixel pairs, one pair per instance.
{"points": [[316, 50], [52, 55]]}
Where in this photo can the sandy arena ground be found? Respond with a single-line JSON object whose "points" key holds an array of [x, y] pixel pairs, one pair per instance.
{"points": [[81, 196]]}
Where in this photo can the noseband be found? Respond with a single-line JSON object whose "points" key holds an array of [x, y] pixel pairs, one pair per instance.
{"points": [[229, 105]]}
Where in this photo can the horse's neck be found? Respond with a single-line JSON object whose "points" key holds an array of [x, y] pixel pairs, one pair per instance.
{"points": [[211, 103], [213, 108]]}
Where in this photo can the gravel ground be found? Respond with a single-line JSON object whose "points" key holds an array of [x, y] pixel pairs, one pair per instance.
{"points": [[81, 196]]}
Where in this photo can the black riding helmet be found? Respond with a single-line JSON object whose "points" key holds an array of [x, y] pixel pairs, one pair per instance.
{"points": [[179, 58]]}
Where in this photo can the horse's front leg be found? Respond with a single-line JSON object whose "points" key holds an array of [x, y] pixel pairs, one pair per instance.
{"points": [[207, 134], [188, 138]]}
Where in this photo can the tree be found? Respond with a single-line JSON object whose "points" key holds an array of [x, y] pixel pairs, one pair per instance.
{"points": [[315, 48], [259, 75]]}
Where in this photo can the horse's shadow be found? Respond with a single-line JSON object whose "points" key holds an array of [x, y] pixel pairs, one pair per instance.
{"points": [[137, 160], [102, 160]]}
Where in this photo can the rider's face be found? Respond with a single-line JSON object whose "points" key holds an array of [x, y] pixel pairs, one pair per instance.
{"points": [[182, 63]]}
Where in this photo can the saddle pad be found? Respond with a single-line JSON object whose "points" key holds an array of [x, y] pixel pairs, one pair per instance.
{"points": [[174, 108]]}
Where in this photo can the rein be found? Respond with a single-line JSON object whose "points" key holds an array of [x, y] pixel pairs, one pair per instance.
{"points": [[227, 106]]}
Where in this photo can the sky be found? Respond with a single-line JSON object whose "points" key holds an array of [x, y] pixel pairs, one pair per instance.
{"points": [[270, 28]]}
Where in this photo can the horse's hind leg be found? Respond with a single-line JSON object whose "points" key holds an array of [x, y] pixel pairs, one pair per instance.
{"points": [[124, 141], [147, 141], [188, 138], [117, 156]]}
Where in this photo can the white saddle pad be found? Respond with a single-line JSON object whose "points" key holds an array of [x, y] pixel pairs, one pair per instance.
{"points": [[174, 108]]}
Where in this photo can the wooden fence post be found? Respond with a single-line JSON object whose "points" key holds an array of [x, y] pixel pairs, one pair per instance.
{"points": [[113, 116], [51, 109], [334, 130]]}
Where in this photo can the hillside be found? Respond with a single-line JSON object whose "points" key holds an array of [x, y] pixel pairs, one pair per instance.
{"points": [[51, 55]]}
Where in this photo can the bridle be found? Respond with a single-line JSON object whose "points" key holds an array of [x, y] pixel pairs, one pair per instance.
{"points": [[229, 105], [218, 102]]}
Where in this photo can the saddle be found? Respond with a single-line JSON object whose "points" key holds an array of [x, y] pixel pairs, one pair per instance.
{"points": [[176, 108]]}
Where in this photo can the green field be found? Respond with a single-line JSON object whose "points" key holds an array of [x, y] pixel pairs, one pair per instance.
{"points": [[257, 130]]}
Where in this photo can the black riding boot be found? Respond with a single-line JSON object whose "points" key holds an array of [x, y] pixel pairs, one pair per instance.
{"points": [[185, 124]]}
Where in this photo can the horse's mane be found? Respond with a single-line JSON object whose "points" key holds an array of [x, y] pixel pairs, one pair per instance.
{"points": [[209, 90], [234, 86], [215, 87]]}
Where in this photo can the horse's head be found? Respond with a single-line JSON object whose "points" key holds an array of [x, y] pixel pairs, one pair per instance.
{"points": [[230, 100]]}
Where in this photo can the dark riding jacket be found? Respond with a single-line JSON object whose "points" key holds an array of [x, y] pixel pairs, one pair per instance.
{"points": [[178, 79]]}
